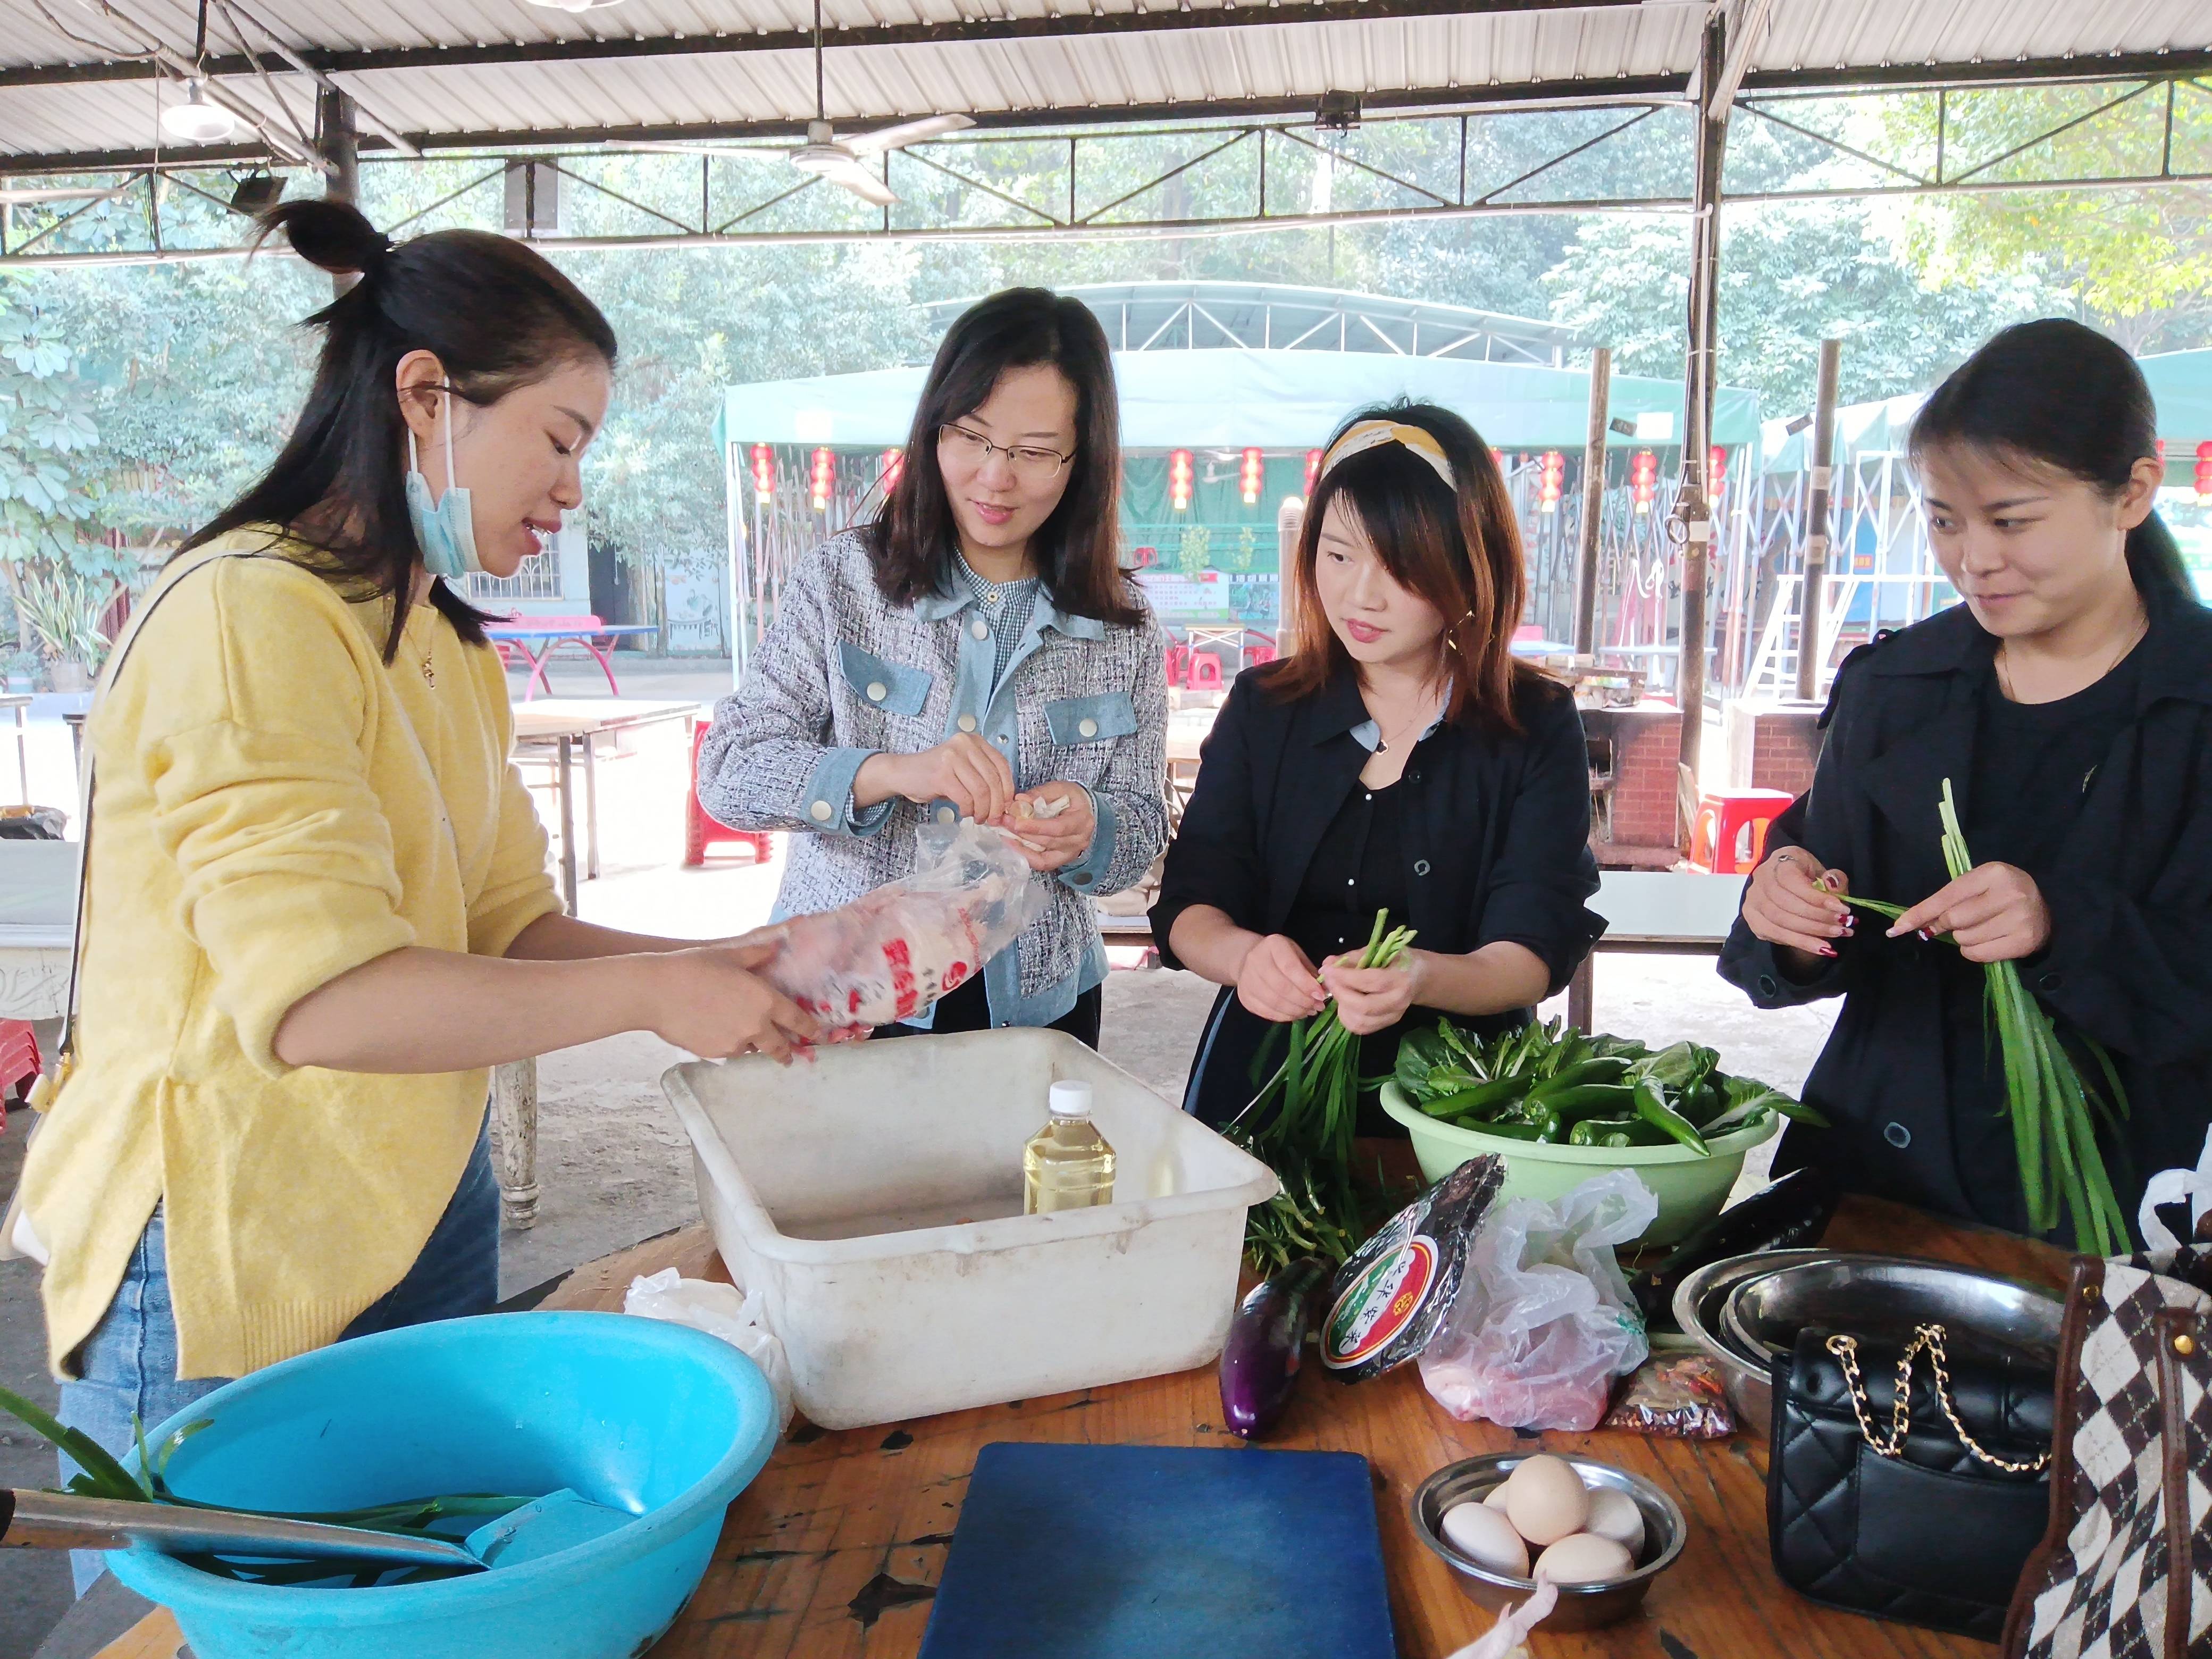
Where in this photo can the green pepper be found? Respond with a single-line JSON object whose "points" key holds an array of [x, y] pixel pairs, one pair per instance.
{"points": [[1588, 1100], [1605, 1132], [1651, 1106], [1581, 1072], [1506, 1131], [1480, 1100]]}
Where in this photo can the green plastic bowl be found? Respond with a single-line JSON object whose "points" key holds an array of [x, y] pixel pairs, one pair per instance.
{"points": [[1690, 1190]]}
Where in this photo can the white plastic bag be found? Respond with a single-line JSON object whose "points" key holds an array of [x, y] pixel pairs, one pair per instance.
{"points": [[2173, 1186], [1544, 1321], [892, 952], [720, 1310], [1509, 1638]]}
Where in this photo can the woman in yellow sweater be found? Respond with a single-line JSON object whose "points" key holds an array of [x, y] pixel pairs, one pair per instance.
{"points": [[317, 902]]}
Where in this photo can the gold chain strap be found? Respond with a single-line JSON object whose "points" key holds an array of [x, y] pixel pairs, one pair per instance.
{"points": [[1931, 1337]]}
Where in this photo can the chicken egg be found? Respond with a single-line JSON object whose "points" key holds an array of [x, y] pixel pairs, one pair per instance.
{"points": [[1583, 1558], [1486, 1537], [1546, 1500], [1613, 1514], [1495, 1497]]}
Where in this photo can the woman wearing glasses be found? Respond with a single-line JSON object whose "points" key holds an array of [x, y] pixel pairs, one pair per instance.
{"points": [[974, 652]]}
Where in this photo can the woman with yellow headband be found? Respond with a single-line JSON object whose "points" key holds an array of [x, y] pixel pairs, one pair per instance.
{"points": [[1398, 759]]}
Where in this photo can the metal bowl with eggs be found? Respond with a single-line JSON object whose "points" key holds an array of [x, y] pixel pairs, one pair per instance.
{"points": [[1581, 1606]]}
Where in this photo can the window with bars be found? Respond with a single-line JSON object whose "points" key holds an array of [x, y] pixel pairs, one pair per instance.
{"points": [[538, 579]]}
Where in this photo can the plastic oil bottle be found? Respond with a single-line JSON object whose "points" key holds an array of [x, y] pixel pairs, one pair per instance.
{"points": [[1068, 1164]]}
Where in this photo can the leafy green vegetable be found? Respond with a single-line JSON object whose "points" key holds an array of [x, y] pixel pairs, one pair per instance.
{"points": [[1301, 1123], [1545, 1081]]}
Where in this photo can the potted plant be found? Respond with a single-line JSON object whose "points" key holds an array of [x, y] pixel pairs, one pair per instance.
{"points": [[63, 608]]}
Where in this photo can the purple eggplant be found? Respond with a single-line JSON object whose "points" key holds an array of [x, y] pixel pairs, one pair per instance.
{"points": [[1266, 1344]]}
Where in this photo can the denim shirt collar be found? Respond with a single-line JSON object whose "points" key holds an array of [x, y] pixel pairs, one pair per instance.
{"points": [[951, 601]]}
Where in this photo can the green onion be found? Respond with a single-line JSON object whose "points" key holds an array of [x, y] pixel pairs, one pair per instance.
{"points": [[1302, 1123], [2053, 1110]]}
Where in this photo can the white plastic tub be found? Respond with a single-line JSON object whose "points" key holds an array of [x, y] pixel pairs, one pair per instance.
{"points": [[871, 1200]]}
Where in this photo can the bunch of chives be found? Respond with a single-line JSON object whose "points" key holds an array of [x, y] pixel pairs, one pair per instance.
{"points": [[1307, 1111], [2054, 1112]]}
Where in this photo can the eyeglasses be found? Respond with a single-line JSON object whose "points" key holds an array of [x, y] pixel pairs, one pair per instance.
{"points": [[1030, 464]]}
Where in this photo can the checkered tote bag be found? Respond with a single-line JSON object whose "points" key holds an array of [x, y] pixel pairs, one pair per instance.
{"points": [[2124, 1570]]}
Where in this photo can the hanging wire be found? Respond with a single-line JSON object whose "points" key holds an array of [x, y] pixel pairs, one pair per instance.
{"points": [[104, 48]]}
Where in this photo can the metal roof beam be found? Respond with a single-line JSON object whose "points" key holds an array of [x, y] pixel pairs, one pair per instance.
{"points": [[974, 30]]}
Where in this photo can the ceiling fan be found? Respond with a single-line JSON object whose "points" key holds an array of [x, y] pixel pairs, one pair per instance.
{"points": [[843, 162]]}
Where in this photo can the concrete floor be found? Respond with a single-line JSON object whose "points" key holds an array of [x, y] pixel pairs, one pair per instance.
{"points": [[614, 1166]]}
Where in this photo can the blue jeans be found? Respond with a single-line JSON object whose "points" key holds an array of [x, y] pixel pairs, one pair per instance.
{"points": [[127, 1367]]}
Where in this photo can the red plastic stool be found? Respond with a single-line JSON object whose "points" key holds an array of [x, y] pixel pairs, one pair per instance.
{"points": [[1177, 661], [1726, 819], [1205, 671], [702, 830], [19, 1063], [1259, 652]]}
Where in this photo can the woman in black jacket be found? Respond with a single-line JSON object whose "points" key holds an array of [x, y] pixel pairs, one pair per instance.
{"points": [[1399, 760], [2068, 702]]}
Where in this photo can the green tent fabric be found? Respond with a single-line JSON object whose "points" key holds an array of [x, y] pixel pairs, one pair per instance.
{"points": [[2180, 384], [1272, 400]]}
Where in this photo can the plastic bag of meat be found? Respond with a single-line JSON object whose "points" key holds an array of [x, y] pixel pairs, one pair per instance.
{"points": [[892, 952]]}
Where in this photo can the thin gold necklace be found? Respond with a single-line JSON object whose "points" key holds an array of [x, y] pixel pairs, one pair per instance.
{"points": [[2134, 639]]}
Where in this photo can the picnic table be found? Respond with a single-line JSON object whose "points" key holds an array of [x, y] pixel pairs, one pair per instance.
{"points": [[835, 1548], [552, 730], [549, 633]]}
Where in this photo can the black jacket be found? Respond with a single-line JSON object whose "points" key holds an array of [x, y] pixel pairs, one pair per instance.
{"points": [[1497, 838], [2129, 957]]}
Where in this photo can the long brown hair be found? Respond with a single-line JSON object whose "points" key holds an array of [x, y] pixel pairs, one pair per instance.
{"points": [[1458, 549], [1078, 548]]}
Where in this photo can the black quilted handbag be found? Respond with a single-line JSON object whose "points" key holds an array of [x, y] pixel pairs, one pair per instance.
{"points": [[1905, 1486]]}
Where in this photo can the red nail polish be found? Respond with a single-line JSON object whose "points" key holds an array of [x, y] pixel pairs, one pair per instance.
{"points": [[1926, 937], [1827, 950]]}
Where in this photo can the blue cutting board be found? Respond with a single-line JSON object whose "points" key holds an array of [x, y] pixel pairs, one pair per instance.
{"points": [[1151, 1553]]}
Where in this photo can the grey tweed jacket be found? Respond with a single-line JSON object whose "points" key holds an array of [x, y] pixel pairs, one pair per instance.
{"points": [[844, 675]]}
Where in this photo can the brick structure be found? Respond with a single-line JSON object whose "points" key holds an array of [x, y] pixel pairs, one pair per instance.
{"points": [[1772, 745], [1641, 750]]}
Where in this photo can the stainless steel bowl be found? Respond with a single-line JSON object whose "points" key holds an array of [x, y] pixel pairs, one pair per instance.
{"points": [[1885, 1299], [1746, 1312], [1698, 1301], [1582, 1606]]}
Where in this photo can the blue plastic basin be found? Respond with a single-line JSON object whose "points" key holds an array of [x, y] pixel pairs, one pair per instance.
{"points": [[667, 1422]]}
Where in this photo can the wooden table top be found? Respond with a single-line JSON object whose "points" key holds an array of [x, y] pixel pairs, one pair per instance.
{"points": [[833, 1552]]}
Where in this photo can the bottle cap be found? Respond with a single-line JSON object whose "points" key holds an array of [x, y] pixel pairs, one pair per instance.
{"points": [[1071, 1099]]}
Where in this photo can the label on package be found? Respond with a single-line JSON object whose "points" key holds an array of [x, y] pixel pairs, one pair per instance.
{"points": [[1379, 1304]]}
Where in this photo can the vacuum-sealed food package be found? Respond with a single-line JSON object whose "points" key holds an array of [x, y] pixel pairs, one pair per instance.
{"points": [[893, 952]]}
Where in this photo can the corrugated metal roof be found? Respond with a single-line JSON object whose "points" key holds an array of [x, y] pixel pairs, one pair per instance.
{"points": [[447, 69]]}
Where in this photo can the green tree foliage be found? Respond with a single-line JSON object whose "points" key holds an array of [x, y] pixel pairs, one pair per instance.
{"points": [[1791, 276], [58, 573], [2138, 262]]}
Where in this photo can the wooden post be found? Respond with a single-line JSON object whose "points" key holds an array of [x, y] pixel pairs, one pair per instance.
{"points": [[514, 1139], [1693, 509], [1586, 554], [338, 143], [1818, 508]]}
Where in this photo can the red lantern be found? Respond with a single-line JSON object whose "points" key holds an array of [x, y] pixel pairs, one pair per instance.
{"points": [[1248, 474], [1179, 477], [1643, 479], [2205, 473], [1554, 480], [894, 466], [1313, 470], [1716, 469], [764, 472], [824, 479]]}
